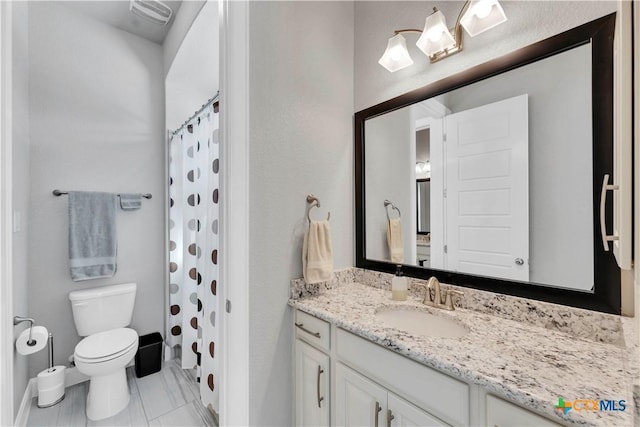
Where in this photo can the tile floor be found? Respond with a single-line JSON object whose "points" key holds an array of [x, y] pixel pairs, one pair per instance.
{"points": [[167, 398]]}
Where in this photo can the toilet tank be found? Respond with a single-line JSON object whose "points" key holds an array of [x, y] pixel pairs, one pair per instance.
{"points": [[103, 308]]}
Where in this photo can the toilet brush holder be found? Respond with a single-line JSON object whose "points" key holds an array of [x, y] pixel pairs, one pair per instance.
{"points": [[51, 381]]}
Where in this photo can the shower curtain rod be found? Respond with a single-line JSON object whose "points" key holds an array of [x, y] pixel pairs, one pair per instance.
{"points": [[205, 105]]}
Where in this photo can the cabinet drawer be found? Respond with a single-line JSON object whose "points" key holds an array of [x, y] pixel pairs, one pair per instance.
{"points": [[433, 391], [313, 330], [501, 413]]}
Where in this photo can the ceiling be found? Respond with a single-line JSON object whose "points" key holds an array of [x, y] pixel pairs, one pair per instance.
{"points": [[116, 13]]}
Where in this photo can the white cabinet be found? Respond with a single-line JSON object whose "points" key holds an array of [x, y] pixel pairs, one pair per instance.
{"points": [[501, 413], [346, 380], [361, 402], [401, 413], [312, 386]]}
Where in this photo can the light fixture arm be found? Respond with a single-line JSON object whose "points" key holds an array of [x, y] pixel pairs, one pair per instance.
{"points": [[407, 30], [462, 11]]}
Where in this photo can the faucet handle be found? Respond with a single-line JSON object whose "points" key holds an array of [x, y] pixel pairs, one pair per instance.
{"points": [[448, 304], [427, 293]]}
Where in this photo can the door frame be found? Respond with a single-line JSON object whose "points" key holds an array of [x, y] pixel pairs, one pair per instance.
{"points": [[6, 209], [234, 210]]}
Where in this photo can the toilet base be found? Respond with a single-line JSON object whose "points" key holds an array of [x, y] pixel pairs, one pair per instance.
{"points": [[108, 395]]}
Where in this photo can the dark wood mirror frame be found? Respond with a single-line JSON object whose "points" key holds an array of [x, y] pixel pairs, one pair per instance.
{"points": [[606, 295]]}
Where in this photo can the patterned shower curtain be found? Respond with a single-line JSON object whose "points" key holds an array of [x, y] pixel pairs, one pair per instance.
{"points": [[193, 256]]}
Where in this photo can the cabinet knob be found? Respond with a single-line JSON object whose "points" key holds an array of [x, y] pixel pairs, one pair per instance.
{"points": [[519, 261]]}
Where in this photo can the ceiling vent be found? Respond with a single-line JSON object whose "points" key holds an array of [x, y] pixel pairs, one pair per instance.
{"points": [[151, 10]]}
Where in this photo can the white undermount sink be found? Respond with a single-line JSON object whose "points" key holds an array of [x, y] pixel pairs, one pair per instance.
{"points": [[422, 323]]}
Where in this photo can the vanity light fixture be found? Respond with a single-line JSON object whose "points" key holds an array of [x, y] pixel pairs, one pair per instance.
{"points": [[436, 40], [152, 10], [423, 167]]}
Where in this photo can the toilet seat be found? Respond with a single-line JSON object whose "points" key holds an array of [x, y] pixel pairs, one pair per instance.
{"points": [[106, 345]]}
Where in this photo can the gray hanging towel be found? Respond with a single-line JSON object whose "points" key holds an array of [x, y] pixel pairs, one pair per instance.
{"points": [[130, 201], [92, 235]]}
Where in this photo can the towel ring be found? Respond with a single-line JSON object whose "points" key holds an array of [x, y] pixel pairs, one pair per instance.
{"points": [[387, 203], [313, 202]]}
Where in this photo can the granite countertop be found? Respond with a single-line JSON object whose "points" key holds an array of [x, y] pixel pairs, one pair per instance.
{"points": [[520, 361]]}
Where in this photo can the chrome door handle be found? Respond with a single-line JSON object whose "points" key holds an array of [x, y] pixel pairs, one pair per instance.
{"points": [[301, 326], [519, 261], [377, 411], [390, 417], [320, 399], [603, 223]]}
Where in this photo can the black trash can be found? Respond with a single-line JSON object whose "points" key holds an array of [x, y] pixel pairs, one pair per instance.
{"points": [[149, 356]]}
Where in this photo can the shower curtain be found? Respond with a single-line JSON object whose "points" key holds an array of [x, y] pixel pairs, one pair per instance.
{"points": [[193, 234]]}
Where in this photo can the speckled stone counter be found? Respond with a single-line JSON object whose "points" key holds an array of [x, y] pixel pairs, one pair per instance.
{"points": [[523, 360]]}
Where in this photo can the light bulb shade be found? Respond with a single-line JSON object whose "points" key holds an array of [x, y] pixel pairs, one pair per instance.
{"points": [[482, 15], [435, 36], [396, 56]]}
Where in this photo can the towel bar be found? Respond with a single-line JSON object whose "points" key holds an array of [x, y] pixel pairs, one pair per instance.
{"points": [[60, 193]]}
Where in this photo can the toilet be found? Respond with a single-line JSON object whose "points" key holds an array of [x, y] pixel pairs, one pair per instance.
{"points": [[101, 316]]}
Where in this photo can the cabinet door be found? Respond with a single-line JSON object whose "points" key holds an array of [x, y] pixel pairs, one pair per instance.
{"points": [[403, 414], [359, 402], [504, 414], [312, 386]]}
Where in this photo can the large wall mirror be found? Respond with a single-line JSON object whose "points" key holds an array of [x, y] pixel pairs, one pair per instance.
{"points": [[495, 174]]}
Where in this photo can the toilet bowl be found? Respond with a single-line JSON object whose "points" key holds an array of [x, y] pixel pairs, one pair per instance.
{"points": [[103, 357], [102, 315]]}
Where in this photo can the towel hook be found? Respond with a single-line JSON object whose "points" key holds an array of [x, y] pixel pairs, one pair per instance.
{"points": [[314, 202], [387, 203]]}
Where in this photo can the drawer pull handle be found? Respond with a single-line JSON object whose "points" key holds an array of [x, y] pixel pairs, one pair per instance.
{"points": [[377, 411], [301, 326], [320, 399], [390, 417]]}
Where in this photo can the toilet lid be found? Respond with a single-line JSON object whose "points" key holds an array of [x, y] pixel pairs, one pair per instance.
{"points": [[108, 343]]}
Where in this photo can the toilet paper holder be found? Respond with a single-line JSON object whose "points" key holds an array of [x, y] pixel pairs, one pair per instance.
{"points": [[19, 319]]}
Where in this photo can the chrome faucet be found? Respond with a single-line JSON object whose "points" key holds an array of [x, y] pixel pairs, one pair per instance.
{"points": [[435, 300]]}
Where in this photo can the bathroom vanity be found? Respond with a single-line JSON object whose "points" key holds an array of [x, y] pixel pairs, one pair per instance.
{"points": [[517, 358]]}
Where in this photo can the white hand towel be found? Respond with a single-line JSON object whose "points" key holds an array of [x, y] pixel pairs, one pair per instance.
{"points": [[394, 239], [317, 253]]}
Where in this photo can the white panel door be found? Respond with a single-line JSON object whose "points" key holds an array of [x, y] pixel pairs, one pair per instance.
{"points": [[312, 386], [487, 190], [359, 402], [401, 413]]}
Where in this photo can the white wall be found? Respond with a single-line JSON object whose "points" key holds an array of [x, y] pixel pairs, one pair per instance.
{"points": [[528, 22], [301, 142], [96, 98], [390, 174], [560, 151], [194, 74], [179, 29], [20, 162]]}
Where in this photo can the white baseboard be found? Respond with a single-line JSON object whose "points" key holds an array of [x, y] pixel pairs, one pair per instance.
{"points": [[25, 405], [72, 377]]}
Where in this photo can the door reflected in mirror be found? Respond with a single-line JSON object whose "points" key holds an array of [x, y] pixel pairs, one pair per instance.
{"points": [[502, 178]]}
